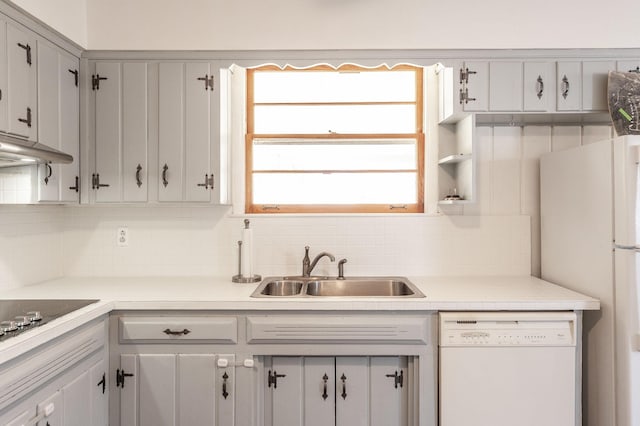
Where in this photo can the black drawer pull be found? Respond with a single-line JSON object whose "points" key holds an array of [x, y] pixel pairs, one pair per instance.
{"points": [[176, 333]]}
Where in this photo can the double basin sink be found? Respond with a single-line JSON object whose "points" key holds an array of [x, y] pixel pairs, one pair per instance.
{"points": [[277, 287]]}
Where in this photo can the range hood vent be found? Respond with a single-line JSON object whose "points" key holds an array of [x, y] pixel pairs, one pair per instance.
{"points": [[19, 152]]}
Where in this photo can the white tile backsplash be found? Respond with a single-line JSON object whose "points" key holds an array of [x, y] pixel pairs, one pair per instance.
{"points": [[30, 244]]}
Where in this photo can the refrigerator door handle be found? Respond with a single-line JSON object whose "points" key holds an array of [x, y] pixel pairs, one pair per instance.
{"points": [[623, 247]]}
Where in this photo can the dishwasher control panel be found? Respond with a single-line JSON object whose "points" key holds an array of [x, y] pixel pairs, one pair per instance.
{"points": [[507, 329]]}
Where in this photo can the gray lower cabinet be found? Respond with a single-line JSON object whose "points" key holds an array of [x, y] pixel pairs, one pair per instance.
{"points": [[64, 384], [159, 389], [345, 390], [173, 370]]}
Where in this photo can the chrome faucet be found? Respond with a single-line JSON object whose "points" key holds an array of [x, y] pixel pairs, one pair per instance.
{"points": [[307, 265]]}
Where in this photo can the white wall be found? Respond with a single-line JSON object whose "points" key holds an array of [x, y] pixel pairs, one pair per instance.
{"points": [[68, 17], [339, 24]]}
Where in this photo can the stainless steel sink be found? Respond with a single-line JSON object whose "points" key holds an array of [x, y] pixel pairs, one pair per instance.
{"points": [[297, 287]]}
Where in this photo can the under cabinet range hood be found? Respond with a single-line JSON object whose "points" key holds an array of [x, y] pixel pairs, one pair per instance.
{"points": [[19, 152]]}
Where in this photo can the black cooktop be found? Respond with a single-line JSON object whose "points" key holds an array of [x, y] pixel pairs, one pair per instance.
{"points": [[18, 316]]}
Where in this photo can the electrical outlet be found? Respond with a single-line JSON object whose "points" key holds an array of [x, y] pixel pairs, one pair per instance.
{"points": [[123, 236]]}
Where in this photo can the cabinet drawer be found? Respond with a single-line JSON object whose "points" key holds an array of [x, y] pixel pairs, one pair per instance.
{"points": [[179, 329], [263, 329]]}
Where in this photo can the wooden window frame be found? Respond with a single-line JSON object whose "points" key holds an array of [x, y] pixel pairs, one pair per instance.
{"points": [[419, 137]]}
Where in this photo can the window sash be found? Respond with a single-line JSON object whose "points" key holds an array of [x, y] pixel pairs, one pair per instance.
{"points": [[323, 173]]}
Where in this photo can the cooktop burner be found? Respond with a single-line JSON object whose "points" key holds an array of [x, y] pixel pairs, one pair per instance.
{"points": [[18, 316]]}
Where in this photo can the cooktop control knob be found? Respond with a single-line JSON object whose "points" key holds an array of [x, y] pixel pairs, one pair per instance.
{"points": [[22, 321], [8, 326], [34, 316]]}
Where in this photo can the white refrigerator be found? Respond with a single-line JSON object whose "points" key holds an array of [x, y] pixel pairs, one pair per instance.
{"points": [[590, 229]]}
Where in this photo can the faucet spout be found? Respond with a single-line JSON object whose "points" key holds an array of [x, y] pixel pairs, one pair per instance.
{"points": [[307, 266]]}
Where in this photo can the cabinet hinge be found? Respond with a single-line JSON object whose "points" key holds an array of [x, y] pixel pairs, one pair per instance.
{"points": [[95, 81], [272, 379], [27, 49], [75, 76], [103, 383], [120, 376], [464, 75], [208, 81], [464, 96]]}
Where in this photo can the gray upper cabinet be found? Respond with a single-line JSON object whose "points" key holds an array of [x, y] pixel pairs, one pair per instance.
{"points": [[21, 87], [185, 132], [121, 132], [154, 132], [582, 85], [523, 86], [58, 122]]}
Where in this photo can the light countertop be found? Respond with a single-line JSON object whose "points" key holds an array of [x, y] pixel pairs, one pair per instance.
{"points": [[481, 293]]}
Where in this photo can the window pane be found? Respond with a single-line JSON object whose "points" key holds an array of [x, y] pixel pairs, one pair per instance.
{"points": [[335, 155], [327, 86], [334, 188], [335, 118]]}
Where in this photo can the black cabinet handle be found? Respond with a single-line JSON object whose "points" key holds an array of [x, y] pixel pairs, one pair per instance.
{"points": [[324, 386], [138, 178], [165, 169], [344, 386], [49, 170], [225, 376]]}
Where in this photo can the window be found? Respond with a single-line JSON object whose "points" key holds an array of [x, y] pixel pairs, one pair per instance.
{"points": [[327, 140]]}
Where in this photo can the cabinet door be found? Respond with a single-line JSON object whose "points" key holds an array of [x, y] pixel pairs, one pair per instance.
{"points": [[171, 103], [108, 128], [77, 401], [225, 391], [595, 75], [352, 391], [121, 131], [58, 122], [319, 391], [568, 86], [69, 116], [134, 131], [389, 395], [197, 150], [21, 91], [53, 405], [476, 85], [157, 389], [287, 391], [538, 86], [196, 389], [505, 86], [99, 394], [129, 390], [48, 123]]}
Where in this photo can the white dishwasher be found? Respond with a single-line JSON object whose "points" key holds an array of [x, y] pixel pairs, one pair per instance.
{"points": [[508, 369]]}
